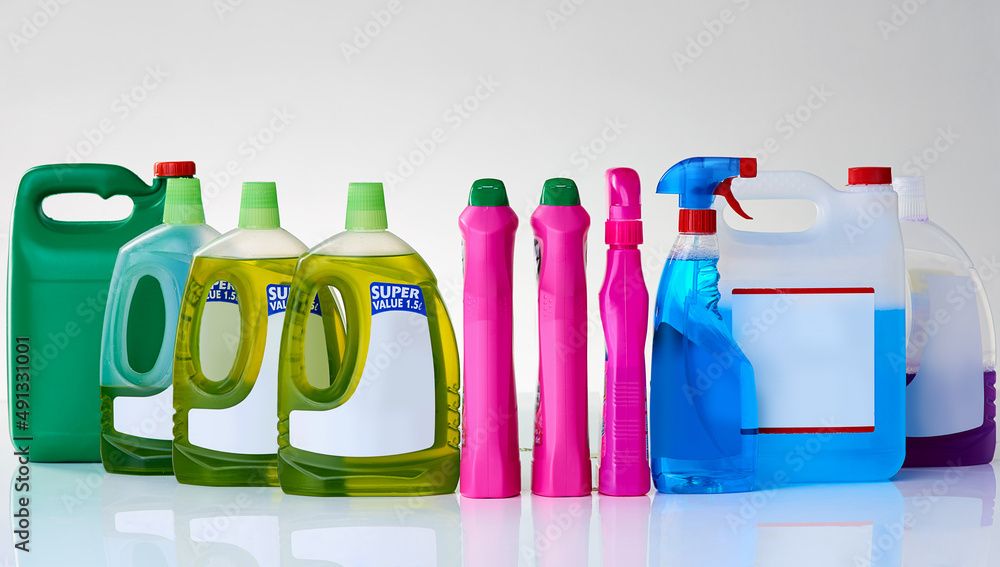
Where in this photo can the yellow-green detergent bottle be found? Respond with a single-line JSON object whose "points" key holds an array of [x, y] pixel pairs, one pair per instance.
{"points": [[225, 355], [385, 423]]}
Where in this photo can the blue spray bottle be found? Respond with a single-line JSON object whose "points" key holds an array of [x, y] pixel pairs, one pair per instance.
{"points": [[703, 405]]}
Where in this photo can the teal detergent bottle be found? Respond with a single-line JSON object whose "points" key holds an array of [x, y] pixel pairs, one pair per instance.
{"points": [[703, 404], [136, 364]]}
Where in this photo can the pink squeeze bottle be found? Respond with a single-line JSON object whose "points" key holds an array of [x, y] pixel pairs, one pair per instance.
{"points": [[625, 312], [561, 459], [490, 466]]}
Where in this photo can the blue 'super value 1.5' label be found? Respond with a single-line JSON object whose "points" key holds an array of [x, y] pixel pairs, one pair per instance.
{"points": [[222, 291], [277, 300], [397, 297]]}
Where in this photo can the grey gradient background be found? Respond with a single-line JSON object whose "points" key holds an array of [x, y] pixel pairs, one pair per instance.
{"points": [[316, 94]]}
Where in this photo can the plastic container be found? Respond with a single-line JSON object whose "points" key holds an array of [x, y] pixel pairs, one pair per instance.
{"points": [[819, 314], [561, 459], [490, 463], [951, 349], [624, 301], [57, 288], [386, 420], [137, 356], [703, 409], [226, 353]]}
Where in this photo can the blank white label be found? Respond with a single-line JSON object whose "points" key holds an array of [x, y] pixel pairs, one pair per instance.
{"points": [[151, 417], [946, 395], [813, 357], [392, 410]]}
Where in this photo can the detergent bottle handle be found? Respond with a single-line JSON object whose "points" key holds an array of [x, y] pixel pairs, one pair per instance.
{"points": [[99, 179], [115, 334], [313, 278], [779, 185], [253, 334]]}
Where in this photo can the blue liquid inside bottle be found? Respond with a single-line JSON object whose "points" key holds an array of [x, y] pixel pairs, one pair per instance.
{"points": [[703, 404]]}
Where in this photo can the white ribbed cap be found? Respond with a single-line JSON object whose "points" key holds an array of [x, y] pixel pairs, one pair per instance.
{"points": [[912, 198]]}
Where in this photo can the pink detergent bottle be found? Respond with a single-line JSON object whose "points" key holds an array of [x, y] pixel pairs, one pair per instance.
{"points": [[625, 313], [490, 467], [561, 459]]}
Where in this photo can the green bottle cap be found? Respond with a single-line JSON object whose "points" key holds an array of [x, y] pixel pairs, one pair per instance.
{"points": [[488, 193], [365, 207], [182, 204], [561, 192], [259, 205]]}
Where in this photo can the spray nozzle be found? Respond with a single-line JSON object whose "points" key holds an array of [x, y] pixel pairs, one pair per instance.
{"points": [[699, 180]]}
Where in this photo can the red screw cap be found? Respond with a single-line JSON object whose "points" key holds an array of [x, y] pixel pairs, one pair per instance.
{"points": [[173, 169], [697, 221], [869, 176]]}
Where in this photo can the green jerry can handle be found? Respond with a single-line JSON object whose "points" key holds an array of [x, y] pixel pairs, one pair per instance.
{"points": [[103, 180]]}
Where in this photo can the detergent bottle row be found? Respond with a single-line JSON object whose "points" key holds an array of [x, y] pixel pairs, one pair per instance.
{"points": [[331, 371]]}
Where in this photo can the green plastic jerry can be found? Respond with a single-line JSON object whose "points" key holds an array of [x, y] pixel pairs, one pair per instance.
{"points": [[57, 288]]}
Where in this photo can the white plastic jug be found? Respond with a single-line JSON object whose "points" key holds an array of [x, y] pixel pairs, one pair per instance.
{"points": [[820, 315]]}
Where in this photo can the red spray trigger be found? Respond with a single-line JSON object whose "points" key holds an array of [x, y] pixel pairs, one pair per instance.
{"points": [[748, 168], [725, 189]]}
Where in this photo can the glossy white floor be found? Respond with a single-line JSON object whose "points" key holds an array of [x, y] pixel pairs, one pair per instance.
{"points": [[78, 515]]}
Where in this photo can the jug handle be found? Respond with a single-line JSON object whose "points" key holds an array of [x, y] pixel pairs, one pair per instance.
{"points": [[291, 365], [105, 181], [249, 353], [114, 345], [778, 185]]}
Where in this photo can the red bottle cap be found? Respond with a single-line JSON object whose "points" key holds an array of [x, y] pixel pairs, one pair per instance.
{"points": [[869, 176], [697, 221], [173, 169]]}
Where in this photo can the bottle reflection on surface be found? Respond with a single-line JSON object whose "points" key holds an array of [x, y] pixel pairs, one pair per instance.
{"points": [[353, 532], [949, 514], [561, 530], [63, 514], [227, 525], [831, 524], [490, 531], [700, 529], [624, 527], [137, 519]]}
